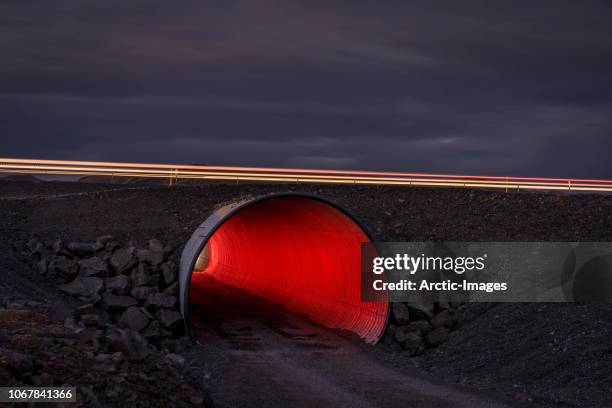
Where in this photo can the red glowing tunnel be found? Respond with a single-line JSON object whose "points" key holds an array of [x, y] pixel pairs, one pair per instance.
{"points": [[293, 250]]}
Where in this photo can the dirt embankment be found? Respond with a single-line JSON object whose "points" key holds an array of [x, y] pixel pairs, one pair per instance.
{"points": [[550, 355]]}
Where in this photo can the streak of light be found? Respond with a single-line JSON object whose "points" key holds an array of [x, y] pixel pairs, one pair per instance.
{"points": [[284, 175]]}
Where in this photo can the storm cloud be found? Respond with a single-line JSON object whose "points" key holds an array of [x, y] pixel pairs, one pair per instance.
{"points": [[504, 87]]}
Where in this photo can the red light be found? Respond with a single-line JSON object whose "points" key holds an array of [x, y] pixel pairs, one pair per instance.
{"points": [[300, 253]]}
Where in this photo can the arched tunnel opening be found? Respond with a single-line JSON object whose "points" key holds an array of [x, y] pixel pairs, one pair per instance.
{"points": [[296, 251]]}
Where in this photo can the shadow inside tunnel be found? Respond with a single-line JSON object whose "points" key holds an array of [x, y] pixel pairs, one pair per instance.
{"points": [[221, 313]]}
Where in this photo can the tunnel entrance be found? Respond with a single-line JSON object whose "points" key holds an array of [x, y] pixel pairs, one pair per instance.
{"points": [[296, 251]]}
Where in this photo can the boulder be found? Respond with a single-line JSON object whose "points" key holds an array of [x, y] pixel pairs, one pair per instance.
{"points": [[85, 287], [81, 249], [107, 363], [437, 336], [119, 285], [59, 249], [176, 359], [445, 318], [33, 244], [41, 266], [168, 271], [423, 310], [116, 303], [16, 362], [143, 275], [155, 245], [91, 320], [88, 308], [153, 258], [36, 249], [155, 332], [410, 339], [90, 339], [63, 267], [73, 326], [421, 325], [111, 246], [170, 320], [142, 292], [104, 239], [122, 260], [135, 318], [160, 301], [388, 337], [93, 266], [128, 342], [173, 289], [400, 313]]}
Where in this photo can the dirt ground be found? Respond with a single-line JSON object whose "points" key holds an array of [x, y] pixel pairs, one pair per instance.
{"points": [[256, 351], [501, 355]]}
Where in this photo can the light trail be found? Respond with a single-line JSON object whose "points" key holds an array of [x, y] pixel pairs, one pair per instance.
{"points": [[285, 175]]}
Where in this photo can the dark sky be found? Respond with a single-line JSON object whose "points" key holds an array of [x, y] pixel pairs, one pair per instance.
{"points": [[494, 87]]}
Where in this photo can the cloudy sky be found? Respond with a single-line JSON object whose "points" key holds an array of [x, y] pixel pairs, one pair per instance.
{"points": [[495, 87]]}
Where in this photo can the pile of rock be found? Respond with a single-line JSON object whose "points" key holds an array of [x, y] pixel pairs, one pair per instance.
{"points": [[120, 286], [418, 326], [119, 370]]}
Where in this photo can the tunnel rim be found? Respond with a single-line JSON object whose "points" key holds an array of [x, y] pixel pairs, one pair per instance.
{"points": [[220, 216]]}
